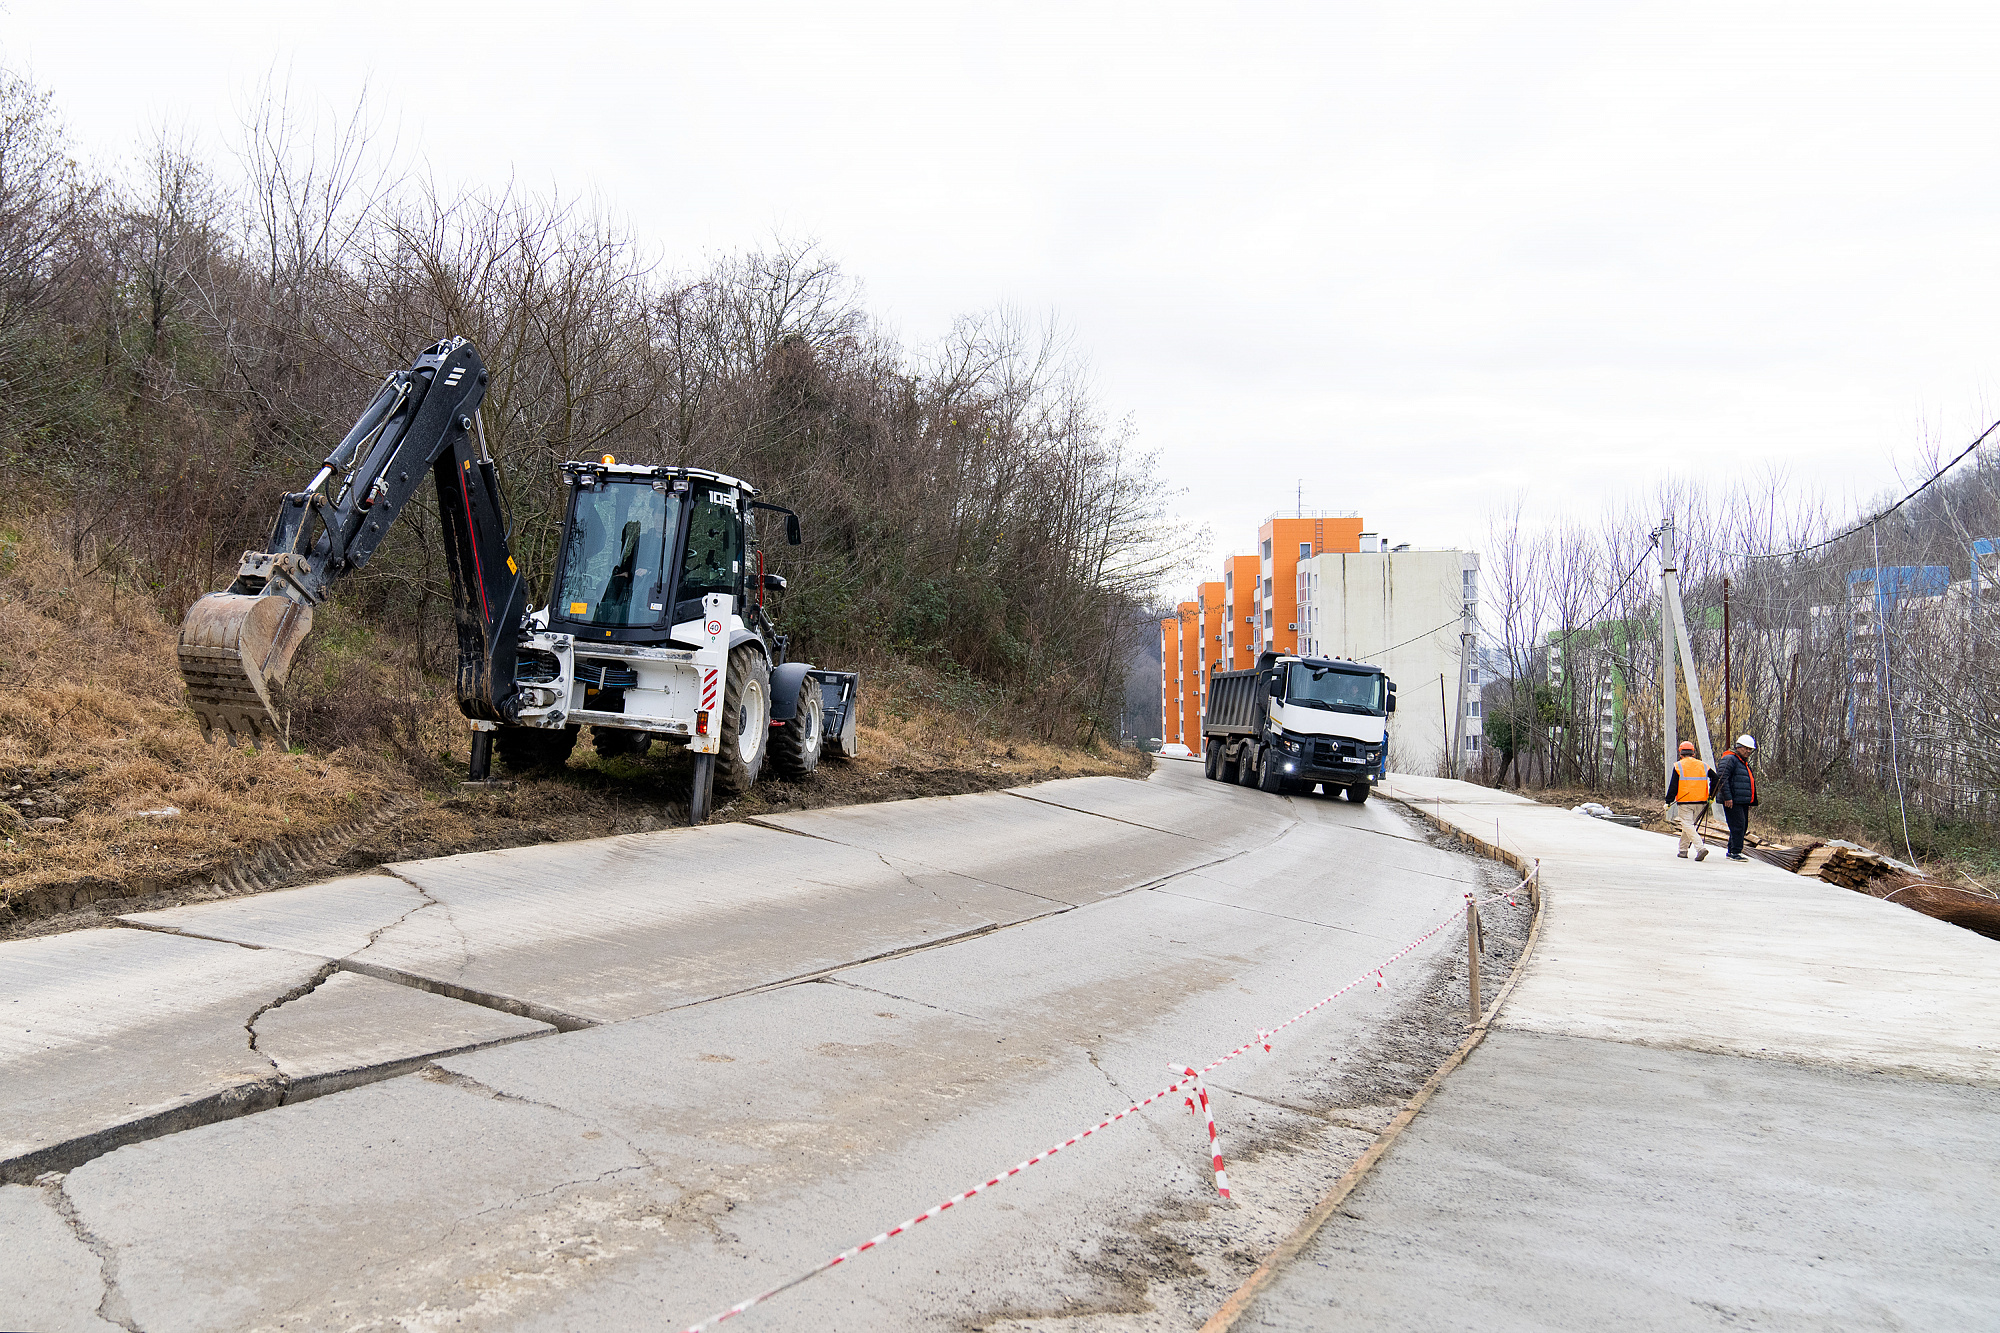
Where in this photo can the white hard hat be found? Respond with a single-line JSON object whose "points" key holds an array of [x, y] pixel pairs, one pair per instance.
{"points": [[1747, 741]]}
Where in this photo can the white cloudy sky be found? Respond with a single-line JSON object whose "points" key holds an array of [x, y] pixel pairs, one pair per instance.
{"points": [[1419, 256]]}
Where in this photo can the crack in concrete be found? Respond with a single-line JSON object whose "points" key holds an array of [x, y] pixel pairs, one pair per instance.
{"points": [[112, 1307], [906, 999], [1152, 1124], [429, 900], [959, 874], [299, 992], [1094, 814], [1258, 911]]}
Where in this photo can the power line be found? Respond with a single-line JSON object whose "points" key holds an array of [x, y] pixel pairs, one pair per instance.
{"points": [[1566, 634], [1876, 518]]}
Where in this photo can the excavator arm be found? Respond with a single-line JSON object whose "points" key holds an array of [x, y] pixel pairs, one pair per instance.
{"points": [[236, 646]]}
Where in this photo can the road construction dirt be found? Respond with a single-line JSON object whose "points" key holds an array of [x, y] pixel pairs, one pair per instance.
{"points": [[1178, 1264]]}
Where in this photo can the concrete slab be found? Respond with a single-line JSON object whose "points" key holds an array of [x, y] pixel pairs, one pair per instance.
{"points": [[384, 1189], [1034, 846], [111, 1035], [598, 931], [51, 1281], [1563, 1183], [1728, 957], [350, 1028], [331, 919]]}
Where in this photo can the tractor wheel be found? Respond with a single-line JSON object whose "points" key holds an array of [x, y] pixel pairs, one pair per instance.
{"points": [[611, 742], [1358, 792], [746, 723], [527, 749], [796, 746]]}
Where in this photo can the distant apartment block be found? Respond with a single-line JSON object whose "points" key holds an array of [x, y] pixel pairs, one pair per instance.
{"points": [[1320, 585]]}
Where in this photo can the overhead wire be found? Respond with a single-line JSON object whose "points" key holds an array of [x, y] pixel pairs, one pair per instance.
{"points": [[1873, 519]]}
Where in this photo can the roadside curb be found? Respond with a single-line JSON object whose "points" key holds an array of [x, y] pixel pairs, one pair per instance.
{"points": [[1302, 1235]]}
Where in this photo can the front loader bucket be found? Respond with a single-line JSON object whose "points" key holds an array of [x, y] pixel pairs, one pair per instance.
{"points": [[233, 649]]}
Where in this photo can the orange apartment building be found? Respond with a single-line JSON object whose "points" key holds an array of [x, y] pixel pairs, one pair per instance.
{"points": [[1190, 645], [1254, 607]]}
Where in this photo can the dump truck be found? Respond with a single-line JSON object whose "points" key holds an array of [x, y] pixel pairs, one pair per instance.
{"points": [[655, 629], [1290, 724]]}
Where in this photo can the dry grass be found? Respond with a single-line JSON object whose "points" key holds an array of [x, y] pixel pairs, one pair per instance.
{"points": [[94, 730]]}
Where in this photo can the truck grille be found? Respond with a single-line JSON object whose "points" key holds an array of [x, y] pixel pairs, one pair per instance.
{"points": [[1329, 754]]}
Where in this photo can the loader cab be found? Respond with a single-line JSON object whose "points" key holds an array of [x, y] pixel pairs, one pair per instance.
{"points": [[641, 547]]}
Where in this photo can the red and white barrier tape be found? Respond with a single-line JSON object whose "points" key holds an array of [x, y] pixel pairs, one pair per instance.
{"points": [[1187, 1077]]}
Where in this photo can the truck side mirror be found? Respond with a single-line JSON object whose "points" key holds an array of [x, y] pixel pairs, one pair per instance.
{"points": [[1392, 701], [1277, 685], [792, 534]]}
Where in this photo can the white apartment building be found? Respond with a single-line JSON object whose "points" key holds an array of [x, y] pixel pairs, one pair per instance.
{"points": [[1402, 610]]}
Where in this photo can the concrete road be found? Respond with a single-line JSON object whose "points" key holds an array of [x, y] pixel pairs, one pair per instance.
{"points": [[776, 1040]]}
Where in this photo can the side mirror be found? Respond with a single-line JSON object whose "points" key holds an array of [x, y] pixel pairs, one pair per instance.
{"points": [[1392, 704], [792, 534], [774, 582], [1277, 685]]}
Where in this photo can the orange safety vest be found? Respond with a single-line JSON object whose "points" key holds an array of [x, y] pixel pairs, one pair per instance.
{"points": [[1694, 781]]}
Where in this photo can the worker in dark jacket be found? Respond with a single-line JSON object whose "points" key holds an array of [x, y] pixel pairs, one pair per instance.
{"points": [[1737, 786], [1687, 796]]}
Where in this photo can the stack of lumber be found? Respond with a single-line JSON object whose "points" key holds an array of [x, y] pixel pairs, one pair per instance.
{"points": [[1848, 866]]}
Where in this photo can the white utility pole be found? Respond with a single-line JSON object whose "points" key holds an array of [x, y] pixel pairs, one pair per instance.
{"points": [[1669, 698], [1674, 642], [1455, 738]]}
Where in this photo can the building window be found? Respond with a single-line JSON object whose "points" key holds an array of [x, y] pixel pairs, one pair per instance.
{"points": [[1472, 709], [1267, 620], [1267, 550], [1305, 550], [1267, 589], [1472, 742]]}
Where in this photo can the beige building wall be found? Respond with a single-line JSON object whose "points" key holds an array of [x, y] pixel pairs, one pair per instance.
{"points": [[1401, 611]]}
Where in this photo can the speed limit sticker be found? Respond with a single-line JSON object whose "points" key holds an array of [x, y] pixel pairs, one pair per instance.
{"points": [[714, 629]]}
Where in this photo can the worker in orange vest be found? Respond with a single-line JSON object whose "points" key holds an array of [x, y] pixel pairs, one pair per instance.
{"points": [[1687, 796]]}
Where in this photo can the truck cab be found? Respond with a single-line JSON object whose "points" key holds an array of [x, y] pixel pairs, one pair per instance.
{"points": [[1292, 723]]}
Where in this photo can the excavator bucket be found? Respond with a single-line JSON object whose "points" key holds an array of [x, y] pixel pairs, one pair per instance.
{"points": [[234, 648]]}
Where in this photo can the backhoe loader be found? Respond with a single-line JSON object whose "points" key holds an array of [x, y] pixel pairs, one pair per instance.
{"points": [[655, 627]]}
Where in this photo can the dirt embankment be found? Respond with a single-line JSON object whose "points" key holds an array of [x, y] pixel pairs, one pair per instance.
{"points": [[111, 802]]}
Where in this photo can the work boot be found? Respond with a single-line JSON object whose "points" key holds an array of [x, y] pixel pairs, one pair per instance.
{"points": [[1701, 855], [1682, 853]]}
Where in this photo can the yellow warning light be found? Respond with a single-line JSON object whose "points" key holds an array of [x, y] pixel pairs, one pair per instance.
{"points": [[609, 460]]}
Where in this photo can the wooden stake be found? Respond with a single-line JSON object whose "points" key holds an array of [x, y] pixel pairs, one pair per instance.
{"points": [[1472, 944]]}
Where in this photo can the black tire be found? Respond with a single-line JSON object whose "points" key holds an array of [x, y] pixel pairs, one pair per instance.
{"points": [[611, 742], [1246, 766], [796, 746], [1358, 792], [1211, 760], [1270, 777], [532, 749], [746, 723]]}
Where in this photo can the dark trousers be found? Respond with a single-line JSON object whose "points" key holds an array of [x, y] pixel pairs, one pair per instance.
{"points": [[1739, 824]]}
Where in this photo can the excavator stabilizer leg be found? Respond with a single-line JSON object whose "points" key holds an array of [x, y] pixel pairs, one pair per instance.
{"points": [[233, 649]]}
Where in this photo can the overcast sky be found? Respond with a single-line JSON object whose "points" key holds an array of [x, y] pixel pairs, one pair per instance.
{"points": [[1419, 257]]}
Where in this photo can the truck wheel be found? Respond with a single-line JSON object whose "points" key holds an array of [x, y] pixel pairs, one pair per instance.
{"points": [[1246, 766], [1358, 792], [796, 746], [611, 742], [527, 749], [1270, 777], [746, 723], [1211, 766]]}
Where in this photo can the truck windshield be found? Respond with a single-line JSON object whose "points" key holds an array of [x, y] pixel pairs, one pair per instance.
{"points": [[1335, 690], [613, 567]]}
